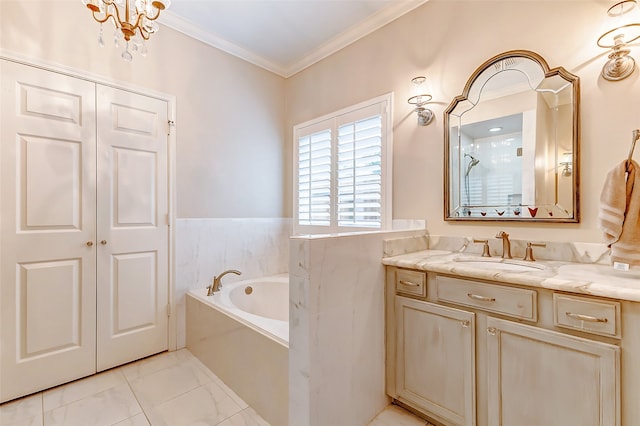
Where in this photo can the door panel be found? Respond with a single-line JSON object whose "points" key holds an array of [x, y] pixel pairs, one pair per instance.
{"points": [[436, 359], [135, 176], [50, 176], [47, 217], [49, 291], [132, 227], [529, 368], [134, 287]]}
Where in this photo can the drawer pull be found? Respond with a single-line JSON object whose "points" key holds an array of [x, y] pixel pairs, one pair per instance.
{"points": [[409, 283], [482, 298], [588, 318]]}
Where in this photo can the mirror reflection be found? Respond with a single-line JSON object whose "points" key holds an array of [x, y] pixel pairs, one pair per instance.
{"points": [[511, 143]]}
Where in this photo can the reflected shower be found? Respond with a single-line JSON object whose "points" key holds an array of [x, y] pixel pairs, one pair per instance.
{"points": [[472, 163]]}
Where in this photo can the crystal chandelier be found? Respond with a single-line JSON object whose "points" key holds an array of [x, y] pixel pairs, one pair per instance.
{"points": [[134, 22]]}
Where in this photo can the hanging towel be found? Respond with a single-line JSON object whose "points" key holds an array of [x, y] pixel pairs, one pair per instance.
{"points": [[619, 216]]}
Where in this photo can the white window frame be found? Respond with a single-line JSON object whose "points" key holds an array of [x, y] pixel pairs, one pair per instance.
{"points": [[332, 121]]}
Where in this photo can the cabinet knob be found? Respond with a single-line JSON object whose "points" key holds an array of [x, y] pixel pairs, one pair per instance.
{"points": [[89, 243], [103, 242], [465, 323], [491, 331]]}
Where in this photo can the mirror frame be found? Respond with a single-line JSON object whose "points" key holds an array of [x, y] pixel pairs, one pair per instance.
{"points": [[558, 71]]}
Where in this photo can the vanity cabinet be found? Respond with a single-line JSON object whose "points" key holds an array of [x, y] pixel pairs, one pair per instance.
{"points": [[435, 364], [468, 352], [542, 377]]}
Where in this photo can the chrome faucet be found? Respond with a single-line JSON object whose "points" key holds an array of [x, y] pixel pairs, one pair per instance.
{"points": [[506, 244], [217, 284]]}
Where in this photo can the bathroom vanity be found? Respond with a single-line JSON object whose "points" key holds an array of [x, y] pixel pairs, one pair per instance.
{"points": [[487, 341]]}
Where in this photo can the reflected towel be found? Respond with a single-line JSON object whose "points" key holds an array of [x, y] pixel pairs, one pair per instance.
{"points": [[619, 216]]}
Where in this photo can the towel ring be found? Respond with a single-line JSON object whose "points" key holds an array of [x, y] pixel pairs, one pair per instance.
{"points": [[634, 139]]}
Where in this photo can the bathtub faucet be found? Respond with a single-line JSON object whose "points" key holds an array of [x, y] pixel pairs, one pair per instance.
{"points": [[216, 284]]}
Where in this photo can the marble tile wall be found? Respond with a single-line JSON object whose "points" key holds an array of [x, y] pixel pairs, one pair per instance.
{"points": [[336, 341], [205, 247]]}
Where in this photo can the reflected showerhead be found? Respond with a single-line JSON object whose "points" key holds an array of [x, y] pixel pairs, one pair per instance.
{"points": [[472, 163]]}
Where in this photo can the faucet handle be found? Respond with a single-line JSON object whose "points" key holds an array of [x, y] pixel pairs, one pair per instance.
{"points": [[485, 247], [528, 253]]}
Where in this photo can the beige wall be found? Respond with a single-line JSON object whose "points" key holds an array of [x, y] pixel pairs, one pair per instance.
{"points": [[230, 113], [447, 40], [235, 119]]}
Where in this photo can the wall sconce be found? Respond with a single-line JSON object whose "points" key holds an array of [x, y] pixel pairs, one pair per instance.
{"points": [[620, 65], [567, 163], [425, 115]]}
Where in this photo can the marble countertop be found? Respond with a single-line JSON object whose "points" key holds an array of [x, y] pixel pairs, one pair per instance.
{"points": [[597, 279]]}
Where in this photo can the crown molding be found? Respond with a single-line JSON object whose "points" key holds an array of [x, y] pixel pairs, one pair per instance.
{"points": [[184, 26], [353, 34]]}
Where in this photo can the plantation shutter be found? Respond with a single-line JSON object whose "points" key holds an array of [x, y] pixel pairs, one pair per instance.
{"points": [[360, 173], [314, 179], [342, 171]]}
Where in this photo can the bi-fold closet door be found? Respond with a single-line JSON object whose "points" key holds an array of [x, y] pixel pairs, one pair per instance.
{"points": [[84, 232]]}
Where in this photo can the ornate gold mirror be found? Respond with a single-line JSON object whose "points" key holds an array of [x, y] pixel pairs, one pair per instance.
{"points": [[511, 143]]}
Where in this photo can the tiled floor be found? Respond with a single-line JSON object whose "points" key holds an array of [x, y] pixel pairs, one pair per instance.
{"points": [[169, 389]]}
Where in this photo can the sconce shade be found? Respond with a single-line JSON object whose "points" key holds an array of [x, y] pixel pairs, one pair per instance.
{"points": [[425, 115], [620, 64]]}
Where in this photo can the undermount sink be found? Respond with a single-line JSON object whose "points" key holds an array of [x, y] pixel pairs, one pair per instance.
{"points": [[499, 263]]}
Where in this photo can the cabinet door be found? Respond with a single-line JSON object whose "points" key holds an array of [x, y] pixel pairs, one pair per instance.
{"points": [[47, 232], [436, 360], [541, 377], [132, 227]]}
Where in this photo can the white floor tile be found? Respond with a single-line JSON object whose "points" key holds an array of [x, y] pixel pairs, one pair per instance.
{"points": [[139, 420], [163, 385], [102, 409], [397, 416], [24, 411], [205, 405], [155, 363], [222, 384], [79, 389], [173, 389], [246, 417]]}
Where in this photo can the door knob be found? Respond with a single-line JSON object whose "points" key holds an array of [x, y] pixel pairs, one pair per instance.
{"points": [[89, 243], [103, 242]]}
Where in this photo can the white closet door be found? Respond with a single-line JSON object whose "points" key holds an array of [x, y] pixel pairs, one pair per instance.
{"points": [[47, 232], [132, 222]]}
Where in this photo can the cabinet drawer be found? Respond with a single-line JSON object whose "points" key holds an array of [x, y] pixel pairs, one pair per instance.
{"points": [[513, 302], [585, 314], [411, 282]]}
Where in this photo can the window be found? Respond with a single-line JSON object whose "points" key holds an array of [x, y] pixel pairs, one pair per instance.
{"points": [[342, 170]]}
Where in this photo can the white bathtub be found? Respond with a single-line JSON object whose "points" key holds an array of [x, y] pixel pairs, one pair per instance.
{"points": [[241, 333], [265, 308]]}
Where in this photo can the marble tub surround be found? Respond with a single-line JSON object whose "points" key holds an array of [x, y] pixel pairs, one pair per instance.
{"points": [[258, 247], [336, 336], [252, 363], [577, 268]]}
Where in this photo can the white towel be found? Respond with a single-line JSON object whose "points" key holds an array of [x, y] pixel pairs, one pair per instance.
{"points": [[619, 216]]}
